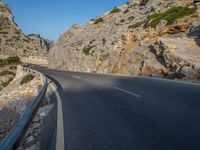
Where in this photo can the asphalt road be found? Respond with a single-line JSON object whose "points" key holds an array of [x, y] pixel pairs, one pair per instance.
{"points": [[124, 113]]}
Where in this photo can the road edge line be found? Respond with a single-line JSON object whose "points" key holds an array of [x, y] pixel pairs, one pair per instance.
{"points": [[60, 144]]}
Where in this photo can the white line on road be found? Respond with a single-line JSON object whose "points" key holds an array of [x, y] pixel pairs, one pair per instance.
{"points": [[76, 77], [60, 144], [128, 92]]}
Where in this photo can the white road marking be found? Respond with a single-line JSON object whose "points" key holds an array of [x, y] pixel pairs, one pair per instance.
{"points": [[128, 92], [76, 77], [60, 144]]}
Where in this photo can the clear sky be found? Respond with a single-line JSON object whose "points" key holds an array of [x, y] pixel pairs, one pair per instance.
{"points": [[50, 18]]}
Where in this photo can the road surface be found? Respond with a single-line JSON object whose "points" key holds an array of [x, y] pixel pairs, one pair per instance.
{"points": [[102, 112]]}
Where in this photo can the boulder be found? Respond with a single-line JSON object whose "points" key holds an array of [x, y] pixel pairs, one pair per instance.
{"points": [[179, 55]]}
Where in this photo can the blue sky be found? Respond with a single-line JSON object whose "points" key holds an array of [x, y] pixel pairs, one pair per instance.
{"points": [[50, 18]]}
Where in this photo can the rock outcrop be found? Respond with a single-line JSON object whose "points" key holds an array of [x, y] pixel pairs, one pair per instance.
{"points": [[135, 39], [180, 55], [16, 98], [13, 41]]}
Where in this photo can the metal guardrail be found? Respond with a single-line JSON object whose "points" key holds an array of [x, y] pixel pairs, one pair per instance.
{"points": [[17, 133]]}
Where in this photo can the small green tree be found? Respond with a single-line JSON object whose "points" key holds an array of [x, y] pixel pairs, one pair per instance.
{"points": [[13, 60]]}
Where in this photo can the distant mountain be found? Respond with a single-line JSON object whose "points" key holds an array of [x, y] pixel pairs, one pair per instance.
{"points": [[13, 40], [142, 37]]}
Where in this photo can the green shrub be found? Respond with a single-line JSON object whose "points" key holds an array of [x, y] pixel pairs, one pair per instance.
{"points": [[114, 42], [122, 20], [12, 44], [4, 73], [13, 67], [4, 84], [26, 40], [9, 40], [131, 18], [3, 32], [170, 15], [1, 61], [98, 20], [15, 37], [25, 51], [92, 41], [86, 50], [17, 32], [10, 60], [144, 2], [13, 60], [104, 41], [123, 37], [115, 10], [92, 19], [26, 79]]}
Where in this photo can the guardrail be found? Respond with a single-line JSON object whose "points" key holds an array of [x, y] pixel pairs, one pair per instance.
{"points": [[17, 133]]}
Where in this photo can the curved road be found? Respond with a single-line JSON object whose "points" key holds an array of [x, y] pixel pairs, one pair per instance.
{"points": [[102, 112]]}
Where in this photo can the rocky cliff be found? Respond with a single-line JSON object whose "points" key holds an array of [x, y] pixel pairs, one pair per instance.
{"points": [[12, 39], [142, 37]]}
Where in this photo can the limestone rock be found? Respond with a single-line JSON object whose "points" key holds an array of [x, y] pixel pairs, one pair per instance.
{"points": [[13, 40], [125, 43], [179, 55]]}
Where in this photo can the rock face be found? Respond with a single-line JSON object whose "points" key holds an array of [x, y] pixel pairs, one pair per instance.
{"points": [[13, 41], [15, 99], [124, 41], [180, 55]]}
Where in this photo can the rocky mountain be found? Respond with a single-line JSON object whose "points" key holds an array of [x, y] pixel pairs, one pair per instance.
{"points": [[142, 37], [12, 39]]}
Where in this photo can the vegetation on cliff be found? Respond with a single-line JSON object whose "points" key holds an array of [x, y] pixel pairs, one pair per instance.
{"points": [[98, 20], [126, 41], [13, 40], [27, 78], [6, 77], [170, 15], [115, 10], [11, 60]]}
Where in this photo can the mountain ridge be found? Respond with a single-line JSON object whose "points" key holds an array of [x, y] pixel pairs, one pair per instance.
{"points": [[14, 41], [128, 40]]}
